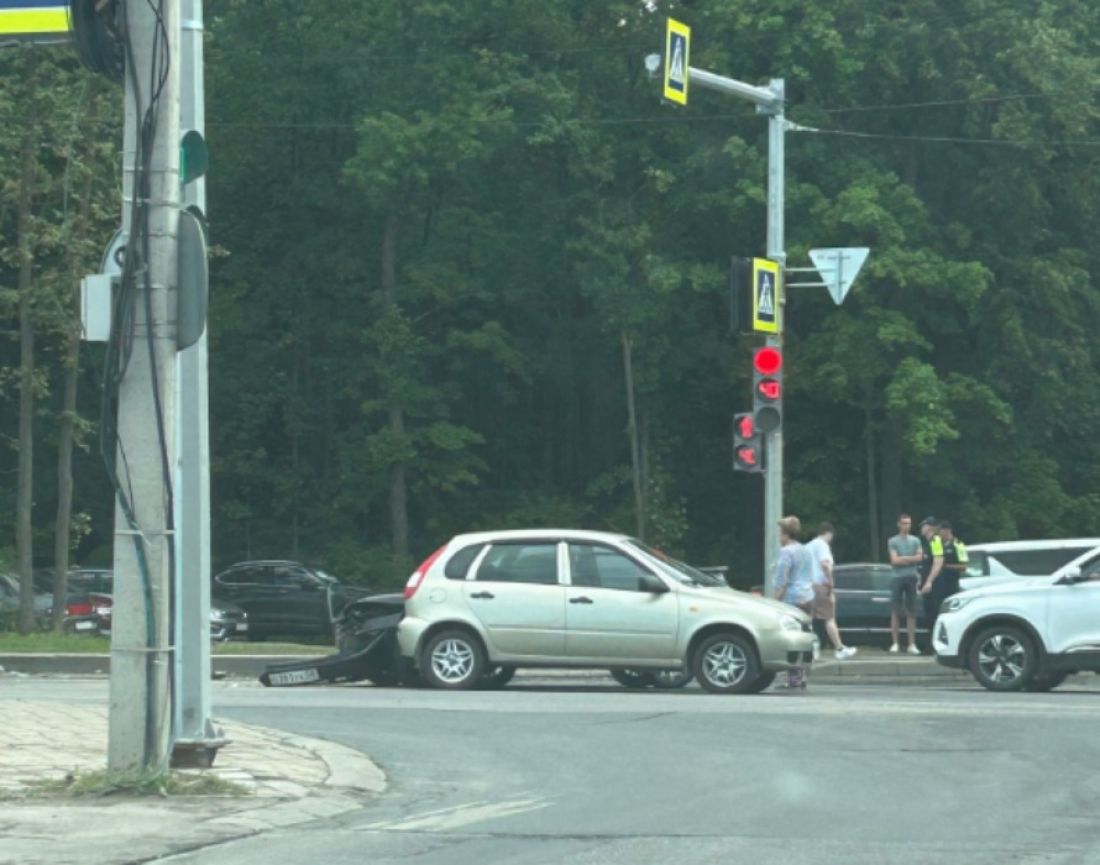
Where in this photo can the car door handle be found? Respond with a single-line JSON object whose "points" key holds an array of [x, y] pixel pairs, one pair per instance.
{"points": [[581, 600], [483, 596]]}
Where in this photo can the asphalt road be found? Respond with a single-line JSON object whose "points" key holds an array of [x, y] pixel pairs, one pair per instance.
{"points": [[595, 774]]}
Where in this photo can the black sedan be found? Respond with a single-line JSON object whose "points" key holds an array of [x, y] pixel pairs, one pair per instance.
{"points": [[285, 598]]}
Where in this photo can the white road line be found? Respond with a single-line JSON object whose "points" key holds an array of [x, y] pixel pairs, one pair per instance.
{"points": [[447, 819]]}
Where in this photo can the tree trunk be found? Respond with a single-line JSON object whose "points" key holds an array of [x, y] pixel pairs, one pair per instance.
{"points": [[399, 494], [63, 522], [25, 496], [872, 485], [891, 504], [62, 536], [632, 432]]}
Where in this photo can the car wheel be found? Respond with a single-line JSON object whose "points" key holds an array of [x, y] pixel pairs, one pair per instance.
{"points": [[453, 660], [1045, 682], [632, 678], [1003, 658], [497, 678], [670, 680], [726, 664]]}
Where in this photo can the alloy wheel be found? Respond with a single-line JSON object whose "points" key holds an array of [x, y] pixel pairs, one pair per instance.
{"points": [[1002, 659], [452, 661], [724, 664]]}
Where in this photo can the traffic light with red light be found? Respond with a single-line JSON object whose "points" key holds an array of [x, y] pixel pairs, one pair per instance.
{"points": [[748, 444], [767, 389]]}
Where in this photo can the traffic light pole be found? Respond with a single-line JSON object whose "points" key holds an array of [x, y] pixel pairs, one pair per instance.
{"points": [[195, 741], [776, 251], [768, 100]]}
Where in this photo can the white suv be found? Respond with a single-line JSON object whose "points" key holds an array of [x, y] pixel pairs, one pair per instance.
{"points": [[1028, 633]]}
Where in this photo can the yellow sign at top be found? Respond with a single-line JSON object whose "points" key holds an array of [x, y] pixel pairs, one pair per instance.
{"points": [[30, 18], [677, 61]]}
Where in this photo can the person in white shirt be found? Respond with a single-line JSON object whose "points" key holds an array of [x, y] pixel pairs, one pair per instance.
{"points": [[824, 604]]}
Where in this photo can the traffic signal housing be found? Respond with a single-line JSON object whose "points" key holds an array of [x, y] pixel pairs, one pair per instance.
{"points": [[748, 444], [767, 389]]}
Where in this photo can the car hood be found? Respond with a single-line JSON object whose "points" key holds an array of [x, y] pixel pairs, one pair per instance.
{"points": [[1004, 585]]}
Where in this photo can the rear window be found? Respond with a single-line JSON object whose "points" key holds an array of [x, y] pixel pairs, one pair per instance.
{"points": [[459, 564]]}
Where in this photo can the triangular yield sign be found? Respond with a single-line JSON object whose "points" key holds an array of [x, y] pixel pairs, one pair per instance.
{"points": [[839, 268]]}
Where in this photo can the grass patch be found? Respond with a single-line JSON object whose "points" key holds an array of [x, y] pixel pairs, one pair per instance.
{"points": [[138, 783], [50, 643]]}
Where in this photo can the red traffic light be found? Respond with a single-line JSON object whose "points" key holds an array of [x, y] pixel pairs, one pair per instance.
{"points": [[746, 455], [745, 426], [769, 389], [767, 360]]}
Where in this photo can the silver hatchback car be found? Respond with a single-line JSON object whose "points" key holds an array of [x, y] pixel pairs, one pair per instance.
{"points": [[491, 602]]}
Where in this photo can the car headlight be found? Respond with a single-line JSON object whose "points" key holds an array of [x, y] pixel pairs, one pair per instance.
{"points": [[954, 603], [789, 623]]}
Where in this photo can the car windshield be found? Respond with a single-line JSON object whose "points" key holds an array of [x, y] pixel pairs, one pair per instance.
{"points": [[684, 573]]}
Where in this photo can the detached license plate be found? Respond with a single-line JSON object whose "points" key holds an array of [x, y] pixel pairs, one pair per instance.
{"points": [[85, 626], [295, 677]]}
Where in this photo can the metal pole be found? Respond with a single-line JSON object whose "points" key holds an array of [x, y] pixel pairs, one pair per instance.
{"points": [[773, 476], [194, 735], [140, 702]]}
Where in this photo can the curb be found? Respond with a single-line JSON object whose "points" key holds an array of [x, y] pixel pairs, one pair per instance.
{"points": [[78, 664]]}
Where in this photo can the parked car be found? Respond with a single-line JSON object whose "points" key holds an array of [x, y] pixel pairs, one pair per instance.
{"points": [[9, 603], [863, 603], [1026, 633], [992, 563], [285, 597], [90, 602], [552, 598]]}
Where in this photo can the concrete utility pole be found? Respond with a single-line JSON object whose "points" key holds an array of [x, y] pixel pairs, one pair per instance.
{"points": [[768, 100], [140, 700], [195, 740]]}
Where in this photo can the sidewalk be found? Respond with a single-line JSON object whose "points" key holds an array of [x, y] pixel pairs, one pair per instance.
{"points": [[290, 779], [877, 666]]}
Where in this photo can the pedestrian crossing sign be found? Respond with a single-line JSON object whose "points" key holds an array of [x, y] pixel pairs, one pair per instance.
{"points": [[767, 295], [32, 19], [677, 60]]}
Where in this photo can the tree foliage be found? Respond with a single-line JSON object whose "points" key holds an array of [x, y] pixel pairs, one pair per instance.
{"points": [[441, 221]]}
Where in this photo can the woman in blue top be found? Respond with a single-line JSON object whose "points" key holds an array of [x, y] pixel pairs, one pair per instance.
{"points": [[794, 580]]}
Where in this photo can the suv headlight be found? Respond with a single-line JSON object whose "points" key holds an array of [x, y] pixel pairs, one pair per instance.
{"points": [[789, 623], [953, 604]]}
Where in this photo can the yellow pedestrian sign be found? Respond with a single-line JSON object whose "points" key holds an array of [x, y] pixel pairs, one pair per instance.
{"points": [[677, 61], [767, 295], [28, 19]]}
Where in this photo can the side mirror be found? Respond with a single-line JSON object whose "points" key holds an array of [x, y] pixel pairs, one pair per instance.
{"points": [[651, 584], [1073, 575]]}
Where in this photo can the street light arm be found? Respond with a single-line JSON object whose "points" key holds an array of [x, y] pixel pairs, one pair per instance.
{"points": [[762, 96]]}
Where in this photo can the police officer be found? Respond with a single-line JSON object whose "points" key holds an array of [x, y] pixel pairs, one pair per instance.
{"points": [[955, 560], [930, 568]]}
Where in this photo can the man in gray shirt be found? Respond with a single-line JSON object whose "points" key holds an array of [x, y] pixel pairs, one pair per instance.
{"points": [[905, 556]]}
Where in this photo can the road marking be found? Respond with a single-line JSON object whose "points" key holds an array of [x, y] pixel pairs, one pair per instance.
{"points": [[458, 816]]}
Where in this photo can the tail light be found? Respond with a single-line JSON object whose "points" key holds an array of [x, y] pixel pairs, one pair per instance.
{"points": [[81, 608], [418, 575]]}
